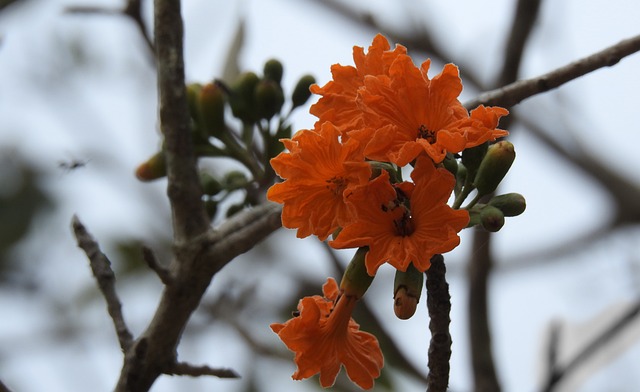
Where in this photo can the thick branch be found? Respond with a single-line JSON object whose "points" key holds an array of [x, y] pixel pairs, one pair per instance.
{"points": [[101, 267], [189, 216], [515, 93]]}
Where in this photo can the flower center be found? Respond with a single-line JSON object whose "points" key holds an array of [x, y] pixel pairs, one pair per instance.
{"points": [[427, 134], [404, 224], [336, 185]]}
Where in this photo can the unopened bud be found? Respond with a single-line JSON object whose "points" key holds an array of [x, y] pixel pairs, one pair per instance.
{"points": [[492, 219], [241, 98], [301, 92], [154, 168], [494, 167], [211, 104], [273, 70], [450, 164], [511, 204], [355, 280], [472, 157], [407, 289], [269, 98]]}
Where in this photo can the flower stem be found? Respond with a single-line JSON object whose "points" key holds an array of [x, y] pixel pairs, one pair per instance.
{"points": [[439, 306]]}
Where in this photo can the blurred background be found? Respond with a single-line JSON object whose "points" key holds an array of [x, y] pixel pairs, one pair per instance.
{"points": [[78, 113]]}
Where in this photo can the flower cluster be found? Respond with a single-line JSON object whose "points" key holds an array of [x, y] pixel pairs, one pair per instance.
{"points": [[344, 178]]}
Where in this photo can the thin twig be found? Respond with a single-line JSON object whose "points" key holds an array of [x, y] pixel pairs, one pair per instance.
{"points": [[162, 272], [101, 267], [515, 93], [439, 306], [186, 369]]}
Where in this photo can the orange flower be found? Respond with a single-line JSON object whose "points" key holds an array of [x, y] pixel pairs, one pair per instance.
{"points": [[324, 337], [401, 228], [338, 101], [318, 169], [411, 113]]}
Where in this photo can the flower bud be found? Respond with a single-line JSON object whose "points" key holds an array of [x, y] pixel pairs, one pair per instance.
{"points": [[494, 167], [491, 218], [355, 280], [154, 168], [269, 98], [211, 104], [511, 204], [241, 98], [407, 289], [472, 157], [273, 70], [301, 92]]}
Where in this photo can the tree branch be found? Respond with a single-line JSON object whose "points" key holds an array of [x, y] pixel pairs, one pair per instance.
{"points": [[152, 262], [515, 93], [439, 306], [185, 369], [101, 267]]}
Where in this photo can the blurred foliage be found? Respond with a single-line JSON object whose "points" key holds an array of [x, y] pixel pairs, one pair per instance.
{"points": [[22, 200]]}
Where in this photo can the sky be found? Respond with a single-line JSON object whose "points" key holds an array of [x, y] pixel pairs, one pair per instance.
{"points": [[81, 88]]}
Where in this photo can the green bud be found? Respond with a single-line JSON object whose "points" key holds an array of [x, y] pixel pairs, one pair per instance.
{"points": [[472, 157], [154, 168], [211, 104], [269, 98], [407, 289], [494, 167], [241, 98], [273, 71], [210, 186], [511, 204], [301, 92], [461, 177], [235, 180], [356, 280], [193, 97], [492, 219]]}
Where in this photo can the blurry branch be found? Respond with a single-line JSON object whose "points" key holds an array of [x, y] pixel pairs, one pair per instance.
{"points": [[151, 260], [365, 316], [3, 388], [592, 347], [185, 369], [515, 93], [625, 194], [481, 264], [131, 10], [420, 39], [101, 267]]}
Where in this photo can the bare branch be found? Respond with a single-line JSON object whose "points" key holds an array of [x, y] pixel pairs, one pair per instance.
{"points": [[162, 272], [189, 215], [515, 93], [101, 267], [439, 306], [185, 369]]}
